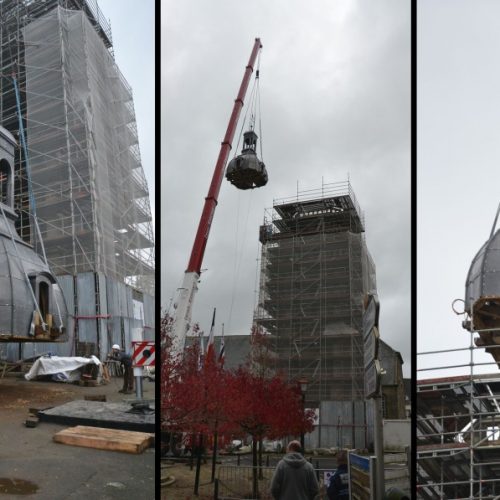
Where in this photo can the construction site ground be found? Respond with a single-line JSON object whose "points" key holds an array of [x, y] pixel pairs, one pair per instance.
{"points": [[33, 465], [178, 478], [183, 486]]}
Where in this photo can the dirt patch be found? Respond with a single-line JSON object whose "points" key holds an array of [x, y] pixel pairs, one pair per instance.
{"points": [[183, 486], [239, 484], [18, 394]]}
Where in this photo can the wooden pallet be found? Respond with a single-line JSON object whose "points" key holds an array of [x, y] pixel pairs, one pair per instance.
{"points": [[14, 369], [113, 368], [105, 439]]}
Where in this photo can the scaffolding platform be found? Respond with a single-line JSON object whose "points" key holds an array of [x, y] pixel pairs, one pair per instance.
{"points": [[315, 270], [458, 436]]}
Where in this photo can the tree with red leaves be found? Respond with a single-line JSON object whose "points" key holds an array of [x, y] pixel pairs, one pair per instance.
{"points": [[265, 407], [197, 397], [262, 359], [193, 395], [208, 399], [191, 392]]}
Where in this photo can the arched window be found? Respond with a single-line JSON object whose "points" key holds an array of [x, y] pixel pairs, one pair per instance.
{"points": [[42, 295], [5, 183], [43, 299]]}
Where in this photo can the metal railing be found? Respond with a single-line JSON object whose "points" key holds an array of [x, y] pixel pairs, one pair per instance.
{"points": [[235, 482]]}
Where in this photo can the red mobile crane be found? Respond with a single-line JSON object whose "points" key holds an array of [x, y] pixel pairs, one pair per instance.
{"points": [[184, 303]]}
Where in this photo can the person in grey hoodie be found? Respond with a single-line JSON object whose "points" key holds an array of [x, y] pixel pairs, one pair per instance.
{"points": [[294, 477]]}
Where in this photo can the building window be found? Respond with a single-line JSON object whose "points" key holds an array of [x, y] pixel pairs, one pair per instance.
{"points": [[43, 299], [41, 290], [5, 181], [493, 433]]}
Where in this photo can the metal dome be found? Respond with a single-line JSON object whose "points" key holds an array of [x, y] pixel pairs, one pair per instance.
{"points": [[482, 287], [246, 171], [482, 296], [32, 305]]}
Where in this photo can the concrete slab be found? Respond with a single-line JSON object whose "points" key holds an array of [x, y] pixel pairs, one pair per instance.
{"points": [[100, 414]]}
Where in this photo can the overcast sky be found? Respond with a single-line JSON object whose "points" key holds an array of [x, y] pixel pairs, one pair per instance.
{"points": [[458, 185], [335, 102], [133, 31]]}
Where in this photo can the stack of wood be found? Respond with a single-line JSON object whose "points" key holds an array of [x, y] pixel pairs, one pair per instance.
{"points": [[14, 369], [114, 368], [105, 439]]}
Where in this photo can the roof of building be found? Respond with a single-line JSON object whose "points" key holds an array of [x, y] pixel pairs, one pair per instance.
{"points": [[236, 349]]}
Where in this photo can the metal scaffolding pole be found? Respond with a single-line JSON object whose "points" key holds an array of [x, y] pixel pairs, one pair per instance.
{"points": [[463, 461]]}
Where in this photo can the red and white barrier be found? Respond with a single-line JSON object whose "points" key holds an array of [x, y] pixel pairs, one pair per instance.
{"points": [[143, 353]]}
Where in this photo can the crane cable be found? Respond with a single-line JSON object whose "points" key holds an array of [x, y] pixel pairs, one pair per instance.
{"points": [[238, 252], [244, 121], [260, 123], [253, 106]]}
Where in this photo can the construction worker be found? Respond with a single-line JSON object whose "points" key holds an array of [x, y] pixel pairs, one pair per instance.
{"points": [[126, 361]]}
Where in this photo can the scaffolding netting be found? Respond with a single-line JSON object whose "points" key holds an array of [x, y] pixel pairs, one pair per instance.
{"points": [[91, 194]]}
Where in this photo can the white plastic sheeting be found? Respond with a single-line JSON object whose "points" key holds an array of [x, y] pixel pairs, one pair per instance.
{"points": [[69, 367], [87, 175]]}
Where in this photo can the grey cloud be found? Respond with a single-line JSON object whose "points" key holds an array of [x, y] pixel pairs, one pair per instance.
{"points": [[335, 95]]}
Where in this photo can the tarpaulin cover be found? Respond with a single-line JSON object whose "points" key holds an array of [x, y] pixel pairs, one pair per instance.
{"points": [[68, 366]]}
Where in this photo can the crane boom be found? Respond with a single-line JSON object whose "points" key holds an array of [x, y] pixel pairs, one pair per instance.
{"points": [[182, 315]]}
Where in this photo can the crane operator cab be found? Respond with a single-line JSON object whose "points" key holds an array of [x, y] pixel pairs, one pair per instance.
{"points": [[246, 171], [32, 305]]}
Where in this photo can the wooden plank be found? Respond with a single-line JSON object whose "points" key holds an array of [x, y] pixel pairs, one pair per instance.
{"points": [[7, 337], [360, 477], [86, 430], [31, 422], [105, 373], [14, 369], [105, 439]]}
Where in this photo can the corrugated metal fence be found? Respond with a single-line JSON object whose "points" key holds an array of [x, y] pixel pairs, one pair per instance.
{"points": [[101, 313]]}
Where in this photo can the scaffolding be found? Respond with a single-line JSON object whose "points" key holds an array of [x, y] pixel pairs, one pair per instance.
{"points": [[315, 270], [92, 198], [458, 431]]}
